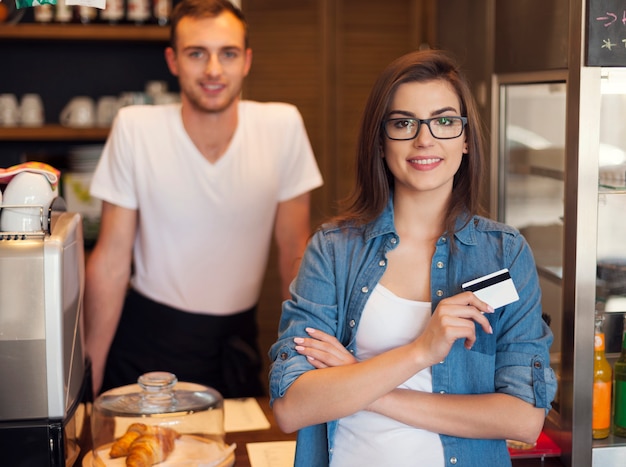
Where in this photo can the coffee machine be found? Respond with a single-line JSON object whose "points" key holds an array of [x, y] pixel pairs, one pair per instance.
{"points": [[43, 377]]}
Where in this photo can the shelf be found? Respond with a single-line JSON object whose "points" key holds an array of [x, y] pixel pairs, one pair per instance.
{"points": [[91, 32], [552, 273], [547, 172], [608, 189], [547, 162], [53, 133], [610, 451]]}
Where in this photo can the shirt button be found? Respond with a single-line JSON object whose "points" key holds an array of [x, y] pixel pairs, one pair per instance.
{"points": [[439, 265], [439, 293], [442, 392], [444, 239], [382, 262], [453, 460], [442, 362], [537, 365], [283, 356], [365, 289], [352, 323], [394, 240]]}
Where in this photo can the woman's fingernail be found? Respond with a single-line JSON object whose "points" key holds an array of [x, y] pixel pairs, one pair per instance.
{"points": [[298, 340], [309, 330], [490, 330], [309, 357], [490, 309], [299, 348]]}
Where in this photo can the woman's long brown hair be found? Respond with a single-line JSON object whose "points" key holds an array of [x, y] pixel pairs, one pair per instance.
{"points": [[374, 181]]}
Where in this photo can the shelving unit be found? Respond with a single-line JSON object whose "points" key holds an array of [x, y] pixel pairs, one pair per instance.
{"points": [[85, 32], [553, 193], [60, 61], [52, 133]]}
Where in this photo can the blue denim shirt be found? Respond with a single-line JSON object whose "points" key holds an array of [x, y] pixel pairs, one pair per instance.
{"points": [[341, 268]]}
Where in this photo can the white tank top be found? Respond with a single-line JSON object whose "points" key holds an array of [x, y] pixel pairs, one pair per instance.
{"points": [[370, 439]]}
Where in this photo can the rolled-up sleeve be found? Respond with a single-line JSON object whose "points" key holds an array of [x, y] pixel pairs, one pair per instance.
{"points": [[313, 304], [523, 348], [528, 377]]}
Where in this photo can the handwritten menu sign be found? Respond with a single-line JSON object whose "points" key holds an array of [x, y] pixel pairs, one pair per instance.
{"points": [[606, 33]]}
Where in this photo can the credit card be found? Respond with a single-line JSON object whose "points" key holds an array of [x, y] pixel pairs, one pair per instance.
{"points": [[496, 289]]}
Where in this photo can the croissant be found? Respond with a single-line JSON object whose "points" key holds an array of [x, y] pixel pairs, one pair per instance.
{"points": [[144, 445], [152, 448], [121, 447]]}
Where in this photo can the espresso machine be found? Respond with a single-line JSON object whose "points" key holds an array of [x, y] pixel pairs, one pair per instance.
{"points": [[43, 377]]}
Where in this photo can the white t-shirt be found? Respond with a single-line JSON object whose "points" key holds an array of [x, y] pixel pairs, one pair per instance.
{"points": [[370, 439], [204, 229]]}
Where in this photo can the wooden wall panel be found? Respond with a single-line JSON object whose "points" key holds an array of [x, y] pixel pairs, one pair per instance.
{"points": [[369, 35], [323, 56], [288, 64], [286, 40]]}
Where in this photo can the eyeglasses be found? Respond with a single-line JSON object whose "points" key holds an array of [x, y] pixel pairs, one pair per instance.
{"points": [[403, 129]]}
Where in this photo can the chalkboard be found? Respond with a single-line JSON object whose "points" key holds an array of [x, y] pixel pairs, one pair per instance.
{"points": [[606, 33]]}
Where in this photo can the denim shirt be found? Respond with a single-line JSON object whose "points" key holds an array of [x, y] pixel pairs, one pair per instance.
{"points": [[340, 269]]}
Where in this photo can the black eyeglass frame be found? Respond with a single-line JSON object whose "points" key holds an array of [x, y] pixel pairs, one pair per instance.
{"points": [[424, 121]]}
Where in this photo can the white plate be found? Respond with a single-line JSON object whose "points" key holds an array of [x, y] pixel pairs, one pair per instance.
{"points": [[189, 451]]}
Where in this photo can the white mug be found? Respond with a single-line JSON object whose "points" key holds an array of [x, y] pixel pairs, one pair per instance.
{"points": [[134, 98], [106, 109], [9, 110], [24, 190], [155, 88], [167, 98], [31, 110], [80, 112]]}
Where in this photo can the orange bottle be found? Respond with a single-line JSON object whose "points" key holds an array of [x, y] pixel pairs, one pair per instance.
{"points": [[602, 380]]}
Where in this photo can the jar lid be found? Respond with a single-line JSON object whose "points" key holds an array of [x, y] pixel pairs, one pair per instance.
{"points": [[158, 393]]}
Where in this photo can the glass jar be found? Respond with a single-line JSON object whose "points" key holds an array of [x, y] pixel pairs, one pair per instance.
{"points": [[179, 423]]}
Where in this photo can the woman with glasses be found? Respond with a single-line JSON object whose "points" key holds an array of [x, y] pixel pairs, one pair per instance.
{"points": [[382, 358]]}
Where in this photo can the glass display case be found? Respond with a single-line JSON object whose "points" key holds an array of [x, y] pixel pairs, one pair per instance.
{"points": [[611, 233], [559, 169], [530, 165]]}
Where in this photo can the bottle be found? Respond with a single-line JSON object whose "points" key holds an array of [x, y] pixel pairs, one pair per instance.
{"points": [[114, 11], [44, 13], [162, 10], [64, 13], [87, 14], [138, 11], [602, 377], [619, 402]]}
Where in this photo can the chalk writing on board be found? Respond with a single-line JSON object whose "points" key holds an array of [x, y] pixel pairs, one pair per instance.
{"points": [[611, 18], [606, 34]]}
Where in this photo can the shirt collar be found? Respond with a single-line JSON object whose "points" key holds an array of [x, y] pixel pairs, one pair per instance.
{"points": [[466, 229], [384, 224]]}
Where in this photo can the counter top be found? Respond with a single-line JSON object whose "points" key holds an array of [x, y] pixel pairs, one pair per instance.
{"points": [[260, 436], [275, 434]]}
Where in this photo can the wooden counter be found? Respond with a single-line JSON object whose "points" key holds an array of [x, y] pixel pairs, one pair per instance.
{"points": [[274, 434], [244, 437]]}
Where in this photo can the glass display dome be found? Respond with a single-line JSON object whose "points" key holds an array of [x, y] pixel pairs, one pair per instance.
{"points": [[159, 421]]}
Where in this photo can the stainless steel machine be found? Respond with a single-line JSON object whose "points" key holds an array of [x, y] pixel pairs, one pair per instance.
{"points": [[42, 362]]}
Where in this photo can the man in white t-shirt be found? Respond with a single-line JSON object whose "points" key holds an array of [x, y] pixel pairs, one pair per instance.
{"points": [[191, 195]]}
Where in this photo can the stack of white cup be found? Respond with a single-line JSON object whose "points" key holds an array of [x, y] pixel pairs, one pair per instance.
{"points": [[28, 112]]}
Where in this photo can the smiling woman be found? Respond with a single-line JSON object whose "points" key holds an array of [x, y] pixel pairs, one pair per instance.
{"points": [[379, 297]]}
